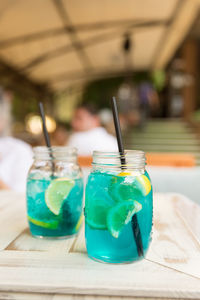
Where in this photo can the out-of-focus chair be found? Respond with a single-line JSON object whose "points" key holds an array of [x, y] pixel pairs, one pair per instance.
{"points": [[171, 159], [85, 161]]}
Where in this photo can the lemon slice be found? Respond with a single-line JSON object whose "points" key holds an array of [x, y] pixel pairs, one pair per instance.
{"points": [[57, 192], [50, 224], [145, 183], [120, 215], [128, 173], [79, 223]]}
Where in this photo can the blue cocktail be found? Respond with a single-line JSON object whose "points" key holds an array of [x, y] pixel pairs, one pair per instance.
{"points": [[54, 194], [112, 198]]}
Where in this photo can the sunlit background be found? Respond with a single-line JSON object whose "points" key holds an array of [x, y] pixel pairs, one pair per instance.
{"points": [[88, 51]]}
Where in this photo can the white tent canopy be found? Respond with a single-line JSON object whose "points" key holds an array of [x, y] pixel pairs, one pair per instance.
{"points": [[68, 42]]}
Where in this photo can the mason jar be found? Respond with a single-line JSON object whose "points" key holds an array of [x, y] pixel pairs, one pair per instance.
{"points": [[118, 207], [54, 193]]}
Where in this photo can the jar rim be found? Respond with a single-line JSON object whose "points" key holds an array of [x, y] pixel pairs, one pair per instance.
{"points": [[135, 153], [132, 159]]}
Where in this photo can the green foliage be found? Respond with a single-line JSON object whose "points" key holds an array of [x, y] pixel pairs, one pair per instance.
{"points": [[101, 91], [22, 107], [159, 77], [195, 116]]}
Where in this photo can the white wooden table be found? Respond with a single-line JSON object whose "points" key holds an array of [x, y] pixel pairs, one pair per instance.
{"points": [[46, 269]]}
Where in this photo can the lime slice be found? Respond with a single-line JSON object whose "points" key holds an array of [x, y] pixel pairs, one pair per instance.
{"points": [[96, 214], [57, 192], [121, 215], [45, 224]]}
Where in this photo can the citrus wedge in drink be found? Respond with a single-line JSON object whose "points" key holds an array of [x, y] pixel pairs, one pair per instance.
{"points": [[57, 192], [129, 185], [45, 223], [120, 215], [96, 214], [142, 180], [145, 184], [79, 223]]}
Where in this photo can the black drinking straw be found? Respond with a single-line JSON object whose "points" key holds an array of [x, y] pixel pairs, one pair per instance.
{"points": [[134, 221], [46, 134]]}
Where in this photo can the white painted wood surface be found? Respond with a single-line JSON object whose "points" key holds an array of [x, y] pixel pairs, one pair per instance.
{"points": [[46, 269]]}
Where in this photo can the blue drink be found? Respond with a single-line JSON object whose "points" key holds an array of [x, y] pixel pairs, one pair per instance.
{"points": [[111, 201], [56, 217], [54, 193]]}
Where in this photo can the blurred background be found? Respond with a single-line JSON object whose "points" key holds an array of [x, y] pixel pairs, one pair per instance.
{"points": [[145, 52]]}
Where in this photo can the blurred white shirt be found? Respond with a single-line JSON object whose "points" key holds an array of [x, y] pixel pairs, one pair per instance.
{"points": [[95, 139], [15, 161]]}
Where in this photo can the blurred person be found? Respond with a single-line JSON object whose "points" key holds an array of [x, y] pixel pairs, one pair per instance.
{"points": [[15, 155], [106, 120], [128, 104], [88, 135]]}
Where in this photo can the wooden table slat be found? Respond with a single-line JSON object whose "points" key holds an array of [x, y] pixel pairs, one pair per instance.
{"points": [[173, 245], [61, 269], [26, 242]]}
